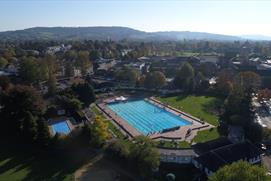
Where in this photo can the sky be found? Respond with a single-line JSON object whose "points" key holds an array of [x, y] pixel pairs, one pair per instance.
{"points": [[231, 17]]}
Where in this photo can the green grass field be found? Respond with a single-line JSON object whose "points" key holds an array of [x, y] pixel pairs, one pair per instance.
{"points": [[203, 107], [206, 135], [22, 165]]}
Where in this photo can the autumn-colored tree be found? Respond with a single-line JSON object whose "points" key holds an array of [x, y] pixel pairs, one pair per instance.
{"points": [[249, 81], [264, 94]]}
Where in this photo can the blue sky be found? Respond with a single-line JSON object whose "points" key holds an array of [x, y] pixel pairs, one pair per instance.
{"points": [[231, 17]]}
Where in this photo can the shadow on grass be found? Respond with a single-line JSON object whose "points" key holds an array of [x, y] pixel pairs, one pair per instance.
{"points": [[25, 164]]}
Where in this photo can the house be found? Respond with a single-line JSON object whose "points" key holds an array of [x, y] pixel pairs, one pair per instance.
{"points": [[211, 161], [209, 58], [181, 156]]}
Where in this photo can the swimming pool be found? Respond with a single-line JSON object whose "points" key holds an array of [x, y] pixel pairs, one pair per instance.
{"points": [[61, 127], [146, 117]]}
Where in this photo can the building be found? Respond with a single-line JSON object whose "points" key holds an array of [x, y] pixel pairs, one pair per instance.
{"points": [[181, 156], [210, 161], [209, 59]]}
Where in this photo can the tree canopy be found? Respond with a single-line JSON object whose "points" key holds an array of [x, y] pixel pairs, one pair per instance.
{"points": [[155, 80], [239, 171], [184, 78]]}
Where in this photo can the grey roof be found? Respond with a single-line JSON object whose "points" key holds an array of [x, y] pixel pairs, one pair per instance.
{"points": [[177, 152]]}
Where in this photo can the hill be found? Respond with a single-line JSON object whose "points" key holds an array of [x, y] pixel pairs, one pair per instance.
{"points": [[106, 33]]}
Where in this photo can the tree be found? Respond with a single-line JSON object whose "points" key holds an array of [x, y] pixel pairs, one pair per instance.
{"points": [[249, 81], [238, 111], [184, 78], [224, 83], [16, 103], [145, 155], [43, 70], [127, 75], [118, 149], [155, 80], [97, 132], [70, 55], [69, 71], [83, 62], [85, 93], [51, 84], [43, 135], [239, 171], [29, 128], [3, 62], [29, 70]]}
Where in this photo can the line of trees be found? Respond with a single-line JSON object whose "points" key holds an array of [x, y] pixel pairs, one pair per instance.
{"points": [[238, 104]]}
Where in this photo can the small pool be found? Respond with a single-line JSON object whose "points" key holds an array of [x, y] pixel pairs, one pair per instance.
{"points": [[146, 117], [61, 127]]}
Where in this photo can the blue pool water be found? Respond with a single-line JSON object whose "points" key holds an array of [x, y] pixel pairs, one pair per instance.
{"points": [[61, 127], [146, 117]]}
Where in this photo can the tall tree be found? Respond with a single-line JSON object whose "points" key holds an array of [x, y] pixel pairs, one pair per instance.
{"points": [[185, 77], [29, 128], [85, 93], [51, 84], [15, 104], [155, 80], [29, 70], [43, 135], [83, 62]]}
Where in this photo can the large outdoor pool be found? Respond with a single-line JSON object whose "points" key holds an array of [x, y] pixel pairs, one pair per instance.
{"points": [[146, 117], [61, 127]]}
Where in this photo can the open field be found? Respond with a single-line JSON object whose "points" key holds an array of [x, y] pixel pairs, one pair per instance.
{"points": [[202, 107]]}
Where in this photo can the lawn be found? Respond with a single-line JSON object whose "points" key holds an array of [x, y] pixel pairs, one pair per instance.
{"points": [[111, 126], [21, 164], [206, 135], [202, 107]]}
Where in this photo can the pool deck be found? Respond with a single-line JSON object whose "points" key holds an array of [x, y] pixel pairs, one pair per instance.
{"points": [[179, 134]]}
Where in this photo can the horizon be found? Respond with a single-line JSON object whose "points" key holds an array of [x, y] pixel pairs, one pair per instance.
{"points": [[134, 29], [234, 18]]}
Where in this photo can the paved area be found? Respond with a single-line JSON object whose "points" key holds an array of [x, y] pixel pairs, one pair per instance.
{"points": [[180, 134]]}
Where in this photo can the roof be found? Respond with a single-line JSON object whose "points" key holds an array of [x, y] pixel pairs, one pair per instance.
{"points": [[201, 148], [177, 152], [219, 157]]}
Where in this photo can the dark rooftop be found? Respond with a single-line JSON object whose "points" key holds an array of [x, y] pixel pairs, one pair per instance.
{"points": [[202, 148], [216, 158]]}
